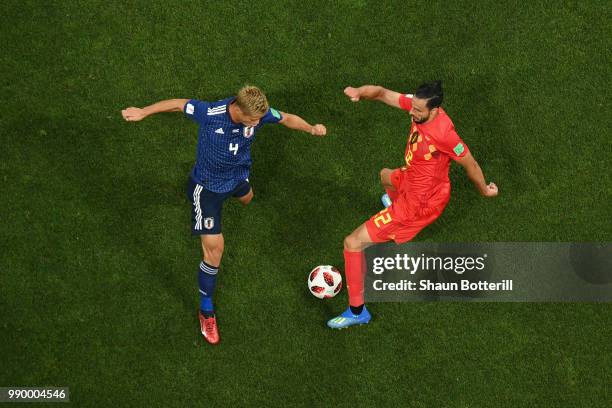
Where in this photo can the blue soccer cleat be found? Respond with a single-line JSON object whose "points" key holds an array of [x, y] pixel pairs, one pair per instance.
{"points": [[386, 200], [347, 319]]}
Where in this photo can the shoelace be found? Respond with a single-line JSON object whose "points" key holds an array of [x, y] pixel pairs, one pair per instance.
{"points": [[209, 325]]}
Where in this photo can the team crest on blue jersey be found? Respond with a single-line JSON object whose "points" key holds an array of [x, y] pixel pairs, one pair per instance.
{"points": [[249, 131]]}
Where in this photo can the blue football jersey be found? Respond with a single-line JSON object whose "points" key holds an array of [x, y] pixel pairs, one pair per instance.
{"points": [[223, 157]]}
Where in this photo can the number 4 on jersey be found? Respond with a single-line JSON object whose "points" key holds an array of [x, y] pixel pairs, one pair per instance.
{"points": [[233, 148]]}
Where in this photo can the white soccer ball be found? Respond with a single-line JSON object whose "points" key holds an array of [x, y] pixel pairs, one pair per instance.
{"points": [[324, 281]]}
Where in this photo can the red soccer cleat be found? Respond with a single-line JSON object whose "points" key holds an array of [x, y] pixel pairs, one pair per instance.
{"points": [[208, 327]]}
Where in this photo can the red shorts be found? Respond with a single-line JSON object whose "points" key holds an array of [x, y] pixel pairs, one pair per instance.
{"points": [[406, 217]]}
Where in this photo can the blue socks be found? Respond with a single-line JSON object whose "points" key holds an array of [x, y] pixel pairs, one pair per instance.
{"points": [[207, 278]]}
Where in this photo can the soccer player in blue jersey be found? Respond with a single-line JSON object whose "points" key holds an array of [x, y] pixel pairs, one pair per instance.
{"points": [[227, 129]]}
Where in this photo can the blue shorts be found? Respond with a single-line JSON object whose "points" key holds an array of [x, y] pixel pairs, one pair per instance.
{"points": [[206, 206]]}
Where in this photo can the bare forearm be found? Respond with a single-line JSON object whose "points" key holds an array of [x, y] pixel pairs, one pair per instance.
{"points": [[169, 105], [370, 91], [474, 172], [133, 114], [295, 122]]}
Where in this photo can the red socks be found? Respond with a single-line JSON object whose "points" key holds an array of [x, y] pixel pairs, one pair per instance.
{"points": [[354, 269]]}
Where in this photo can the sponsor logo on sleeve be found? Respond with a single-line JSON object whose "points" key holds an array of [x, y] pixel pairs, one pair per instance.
{"points": [[189, 109], [459, 149], [275, 113]]}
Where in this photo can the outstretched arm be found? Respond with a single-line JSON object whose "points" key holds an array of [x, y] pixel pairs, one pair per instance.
{"points": [[295, 122], [133, 114], [373, 92], [475, 174]]}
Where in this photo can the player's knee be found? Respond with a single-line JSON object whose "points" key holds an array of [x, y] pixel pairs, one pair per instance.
{"points": [[247, 198], [384, 176], [352, 243]]}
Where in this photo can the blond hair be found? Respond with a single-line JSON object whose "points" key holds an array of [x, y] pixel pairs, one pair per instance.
{"points": [[252, 101]]}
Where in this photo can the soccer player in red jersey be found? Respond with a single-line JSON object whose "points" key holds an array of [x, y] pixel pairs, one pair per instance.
{"points": [[417, 193]]}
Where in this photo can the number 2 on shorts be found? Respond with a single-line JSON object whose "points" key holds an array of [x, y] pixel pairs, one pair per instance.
{"points": [[383, 217]]}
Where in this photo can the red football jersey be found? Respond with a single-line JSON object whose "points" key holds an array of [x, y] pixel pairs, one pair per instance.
{"points": [[429, 149]]}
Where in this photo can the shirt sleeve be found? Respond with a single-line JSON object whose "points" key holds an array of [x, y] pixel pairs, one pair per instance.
{"points": [[271, 116], [196, 110], [405, 101], [451, 144]]}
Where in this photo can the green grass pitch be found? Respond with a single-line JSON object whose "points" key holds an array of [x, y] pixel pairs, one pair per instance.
{"points": [[97, 266]]}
